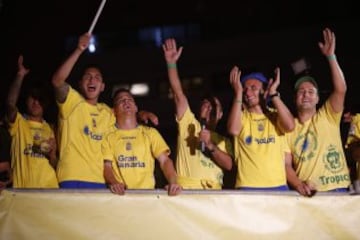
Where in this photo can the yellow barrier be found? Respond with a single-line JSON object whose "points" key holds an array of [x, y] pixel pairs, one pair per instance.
{"points": [[98, 214]]}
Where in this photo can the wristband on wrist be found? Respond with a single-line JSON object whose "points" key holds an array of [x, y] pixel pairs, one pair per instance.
{"points": [[238, 101], [171, 65], [212, 150], [331, 57], [277, 94]]}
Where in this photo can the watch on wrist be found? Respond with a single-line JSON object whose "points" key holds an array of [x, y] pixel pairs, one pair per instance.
{"points": [[277, 94], [211, 150]]}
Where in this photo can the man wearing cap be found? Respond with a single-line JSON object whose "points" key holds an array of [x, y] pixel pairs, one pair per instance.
{"points": [[317, 161], [259, 144]]}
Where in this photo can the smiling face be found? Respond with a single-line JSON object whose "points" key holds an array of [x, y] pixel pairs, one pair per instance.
{"points": [[91, 84], [252, 89], [211, 111], [306, 97]]}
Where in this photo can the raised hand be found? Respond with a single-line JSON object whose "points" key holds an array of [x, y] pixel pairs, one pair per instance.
{"points": [[273, 84], [84, 41], [328, 46], [171, 53], [235, 80], [22, 70]]}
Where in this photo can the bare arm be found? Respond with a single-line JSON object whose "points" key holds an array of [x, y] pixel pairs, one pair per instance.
{"points": [[167, 167], [293, 180], [285, 119], [115, 186], [51, 155], [234, 124], [63, 72], [223, 159], [14, 90], [144, 117], [337, 97], [172, 55]]}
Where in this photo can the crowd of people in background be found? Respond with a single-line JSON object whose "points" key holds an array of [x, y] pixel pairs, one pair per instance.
{"points": [[93, 145]]}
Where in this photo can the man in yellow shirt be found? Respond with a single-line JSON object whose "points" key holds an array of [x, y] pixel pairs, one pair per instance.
{"points": [[317, 161], [83, 121], [33, 145], [130, 151], [202, 154], [259, 131]]}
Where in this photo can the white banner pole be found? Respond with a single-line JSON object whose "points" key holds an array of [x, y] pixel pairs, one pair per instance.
{"points": [[96, 17]]}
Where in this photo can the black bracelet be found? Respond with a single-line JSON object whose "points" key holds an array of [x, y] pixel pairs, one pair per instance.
{"points": [[277, 94], [212, 150]]}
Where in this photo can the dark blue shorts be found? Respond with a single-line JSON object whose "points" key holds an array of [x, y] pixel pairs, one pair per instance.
{"points": [[339, 190], [81, 184], [278, 188]]}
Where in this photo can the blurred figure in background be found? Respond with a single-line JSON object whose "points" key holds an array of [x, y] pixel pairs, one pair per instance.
{"points": [[5, 158], [33, 145]]}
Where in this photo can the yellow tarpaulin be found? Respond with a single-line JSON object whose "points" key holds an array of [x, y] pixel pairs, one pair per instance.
{"points": [[99, 214]]}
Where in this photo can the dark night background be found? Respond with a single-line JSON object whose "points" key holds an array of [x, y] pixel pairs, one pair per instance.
{"points": [[216, 35]]}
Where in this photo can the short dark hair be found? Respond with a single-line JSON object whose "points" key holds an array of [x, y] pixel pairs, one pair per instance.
{"points": [[120, 90], [93, 65], [39, 94], [211, 98]]}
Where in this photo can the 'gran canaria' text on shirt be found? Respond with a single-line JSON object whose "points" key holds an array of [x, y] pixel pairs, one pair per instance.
{"points": [[129, 162]]}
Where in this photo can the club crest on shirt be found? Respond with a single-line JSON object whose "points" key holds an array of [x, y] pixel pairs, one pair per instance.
{"points": [[305, 146], [332, 160], [260, 127], [128, 146], [248, 140], [94, 122], [37, 137]]}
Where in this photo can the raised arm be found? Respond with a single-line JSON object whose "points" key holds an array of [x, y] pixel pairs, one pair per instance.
{"points": [[234, 124], [337, 97], [63, 72], [172, 55], [285, 119], [14, 90]]}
